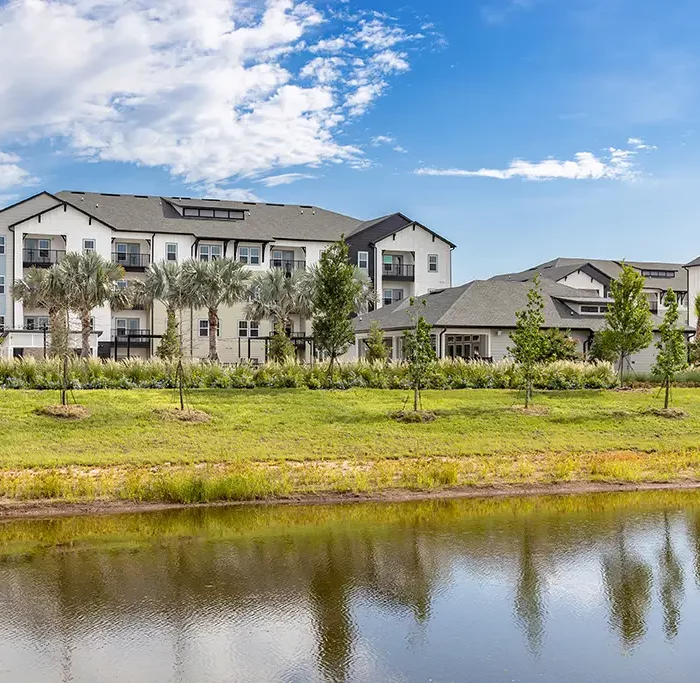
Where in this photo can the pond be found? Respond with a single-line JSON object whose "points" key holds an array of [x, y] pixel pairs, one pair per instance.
{"points": [[585, 588]]}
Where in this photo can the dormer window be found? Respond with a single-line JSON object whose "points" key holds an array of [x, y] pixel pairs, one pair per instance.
{"points": [[668, 274], [201, 212]]}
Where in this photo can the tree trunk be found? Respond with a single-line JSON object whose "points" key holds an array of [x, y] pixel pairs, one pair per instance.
{"points": [[416, 397], [64, 379], [180, 382], [85, 332], [213, 327], [668, 393], [622, 368], [330, 371], [528, 391], [58, 333]]}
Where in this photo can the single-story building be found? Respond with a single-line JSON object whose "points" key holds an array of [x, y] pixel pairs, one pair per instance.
{"points": [[475, 320]]}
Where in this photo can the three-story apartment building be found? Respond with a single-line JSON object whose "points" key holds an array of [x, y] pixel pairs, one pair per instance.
{"points": [[403, 258]]}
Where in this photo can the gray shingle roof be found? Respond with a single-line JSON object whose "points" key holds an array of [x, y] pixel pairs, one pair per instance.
{"points": [[488, 303], [694, 262], [262, 221], [561, 267]]}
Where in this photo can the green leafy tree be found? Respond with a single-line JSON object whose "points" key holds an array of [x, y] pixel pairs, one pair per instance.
{"points": [[163, 282], [673, 354], [377, 351], [528, 340], [91, 282], [694, 346], [45, 288], [602, 348], [211, 285], [558, 345], [281, 348], [334, 292], [419, 353], [629, 326]]}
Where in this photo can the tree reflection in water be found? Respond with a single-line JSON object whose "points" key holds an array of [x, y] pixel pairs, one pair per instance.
{"points": [[206, 586]]}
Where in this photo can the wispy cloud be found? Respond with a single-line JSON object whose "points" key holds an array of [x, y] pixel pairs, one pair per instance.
{"points": [[389, 140], [285, 179], [615, 164], [499, 11]]}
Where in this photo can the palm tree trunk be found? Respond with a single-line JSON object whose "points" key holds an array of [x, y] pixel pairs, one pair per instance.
{"points": [[213, 327], [58, 333], [85, 332]]}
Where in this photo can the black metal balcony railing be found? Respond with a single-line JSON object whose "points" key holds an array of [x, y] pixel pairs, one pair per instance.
{"points": [[123, 336], [398, 271], [289, 266], [41, 258], [131, 261]]}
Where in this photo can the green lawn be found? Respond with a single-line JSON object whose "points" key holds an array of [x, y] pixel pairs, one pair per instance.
{"points": [[584, 436]]}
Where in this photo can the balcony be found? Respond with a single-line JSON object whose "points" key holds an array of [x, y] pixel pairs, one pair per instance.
{"points": [[288, 266], [398, 271], [41, 258], [129, 337], [131, 262]]}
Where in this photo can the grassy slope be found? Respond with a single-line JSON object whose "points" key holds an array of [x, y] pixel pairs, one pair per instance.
{"points": [[478, 439]]}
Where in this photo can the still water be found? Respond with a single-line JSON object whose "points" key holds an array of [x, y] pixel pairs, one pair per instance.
{"points": [[592, 588]]}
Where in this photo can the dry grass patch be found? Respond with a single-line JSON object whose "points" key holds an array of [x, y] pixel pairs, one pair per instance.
{"points": [[532, 410], [69, 412], [413, 416], [187, 415], [668, 413]]}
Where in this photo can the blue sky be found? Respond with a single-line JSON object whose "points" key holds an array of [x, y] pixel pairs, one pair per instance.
{"points": [[520, 129]]}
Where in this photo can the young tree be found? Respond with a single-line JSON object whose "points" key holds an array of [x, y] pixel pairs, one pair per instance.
{"points": [[281, 348], [377, 351], [558, 345], [45, 288], [334, 293], [672, 356], [629, 326], [694, 346], [91, 282], [212, 284], [528, 340], [419, 353], [163, 282]]}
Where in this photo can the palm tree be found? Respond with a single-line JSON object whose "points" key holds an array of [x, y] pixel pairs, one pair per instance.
{"points": [[212, 284], [46, 288], [163, 282], [278, 295], [91, 282]]}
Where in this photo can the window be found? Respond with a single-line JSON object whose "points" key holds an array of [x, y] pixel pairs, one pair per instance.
{"points": [[171, 251], [247, 328], [228, 214], [88, 245], [204, 328], [2, 323], [250, 255], [589, 309], [36, 322], [363, 260], [209, 252], [123, 326], [2, 284], [392, 296], [659, 273], [432, 263], [2, 244], [463, 346]]}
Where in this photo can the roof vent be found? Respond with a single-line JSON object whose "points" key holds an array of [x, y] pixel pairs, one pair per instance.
{"points": [[269, 204], [108, 194]]}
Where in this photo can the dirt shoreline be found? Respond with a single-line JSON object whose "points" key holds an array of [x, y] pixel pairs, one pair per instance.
{"points": [[38, 509]]}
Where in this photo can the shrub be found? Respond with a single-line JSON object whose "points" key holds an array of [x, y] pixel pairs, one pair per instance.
{"points": [[443, 374]]}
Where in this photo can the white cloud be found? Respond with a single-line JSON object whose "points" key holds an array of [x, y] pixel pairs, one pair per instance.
{"points": [[638, 143], [11, 173], [380, 140], [236, 194], [383, 140], [284, 179], [617, 164], [204, 88]]}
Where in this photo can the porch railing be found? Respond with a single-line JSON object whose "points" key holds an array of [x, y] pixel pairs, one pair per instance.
{"points": [[41, 258]]}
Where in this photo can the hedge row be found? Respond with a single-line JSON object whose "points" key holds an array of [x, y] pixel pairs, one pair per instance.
{"points": [[156, 374]]}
